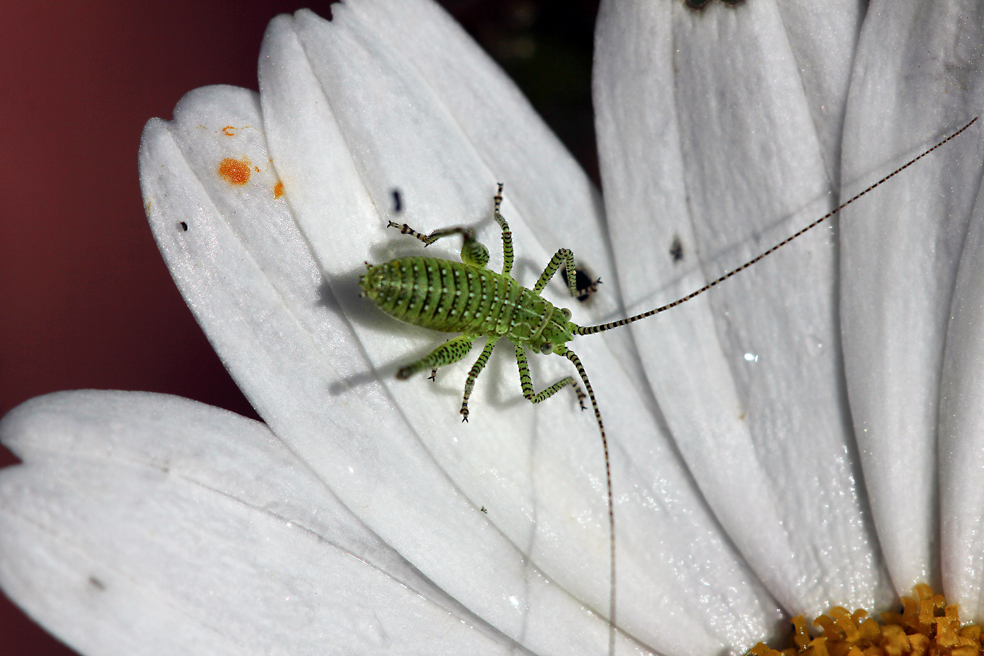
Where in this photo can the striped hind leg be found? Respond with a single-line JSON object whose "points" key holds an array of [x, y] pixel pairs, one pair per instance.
{"points": [[447, 353], [564, 257]]}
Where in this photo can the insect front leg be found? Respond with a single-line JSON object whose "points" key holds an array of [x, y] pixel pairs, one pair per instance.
{"points": [[473, 252], [447, 353], [507, 245], [565, 257], [473, 374], [527, 382]]}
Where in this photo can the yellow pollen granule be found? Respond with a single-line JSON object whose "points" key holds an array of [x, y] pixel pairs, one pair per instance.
{"points": [[927, 626]]}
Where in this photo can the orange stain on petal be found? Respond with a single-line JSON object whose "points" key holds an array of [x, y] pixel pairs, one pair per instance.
{"points": [[235, 171], [229, 131], [278, 190]]}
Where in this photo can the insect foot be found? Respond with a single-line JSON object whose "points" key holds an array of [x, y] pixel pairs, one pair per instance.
{"points": [[580, 396]]}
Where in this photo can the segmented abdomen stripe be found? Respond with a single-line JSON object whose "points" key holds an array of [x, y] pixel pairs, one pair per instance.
{"points": [[460, 295], [446, 296], [446, 307], [396, 295], [432, 296], [492, 307]]}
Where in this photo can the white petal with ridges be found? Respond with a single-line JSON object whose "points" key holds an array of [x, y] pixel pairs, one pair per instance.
{"points": [[246, 272], [405, 141], [961, 433], [900, 252], [149, 524], [708, 135]]}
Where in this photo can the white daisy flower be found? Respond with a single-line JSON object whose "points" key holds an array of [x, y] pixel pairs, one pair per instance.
{"points": [[773, 442]]}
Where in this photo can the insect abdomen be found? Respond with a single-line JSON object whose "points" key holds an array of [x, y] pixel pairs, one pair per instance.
{"points": [[443, 295]]}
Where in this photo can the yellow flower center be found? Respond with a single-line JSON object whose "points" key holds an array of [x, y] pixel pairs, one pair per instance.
{"points": [[927, 626]]}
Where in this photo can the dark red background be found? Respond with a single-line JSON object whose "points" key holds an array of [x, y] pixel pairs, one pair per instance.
{"points": [[85, 299]]}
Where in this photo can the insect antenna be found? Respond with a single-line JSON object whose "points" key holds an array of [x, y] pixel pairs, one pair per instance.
{"points": [[590, 330], [570, 355]]}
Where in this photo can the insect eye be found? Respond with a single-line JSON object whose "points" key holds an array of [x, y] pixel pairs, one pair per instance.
{"points": [[546, 348], [566, 313]]}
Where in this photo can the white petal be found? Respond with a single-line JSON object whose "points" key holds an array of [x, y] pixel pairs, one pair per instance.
{"points": [[332, 56], [709, 136], [961, 439], [539, 473], [918, 76], [245, 270], [149, 524], [822, 37], [408, 137]]}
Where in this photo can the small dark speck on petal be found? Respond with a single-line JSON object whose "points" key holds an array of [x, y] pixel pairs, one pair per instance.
{"points": [[676, 249]]}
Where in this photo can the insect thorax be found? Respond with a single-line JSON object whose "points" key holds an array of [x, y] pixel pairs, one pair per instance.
{"points": [[459, 298]]}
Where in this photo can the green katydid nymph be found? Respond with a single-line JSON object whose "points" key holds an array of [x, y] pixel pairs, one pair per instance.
{"points": [[466, 297]]}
